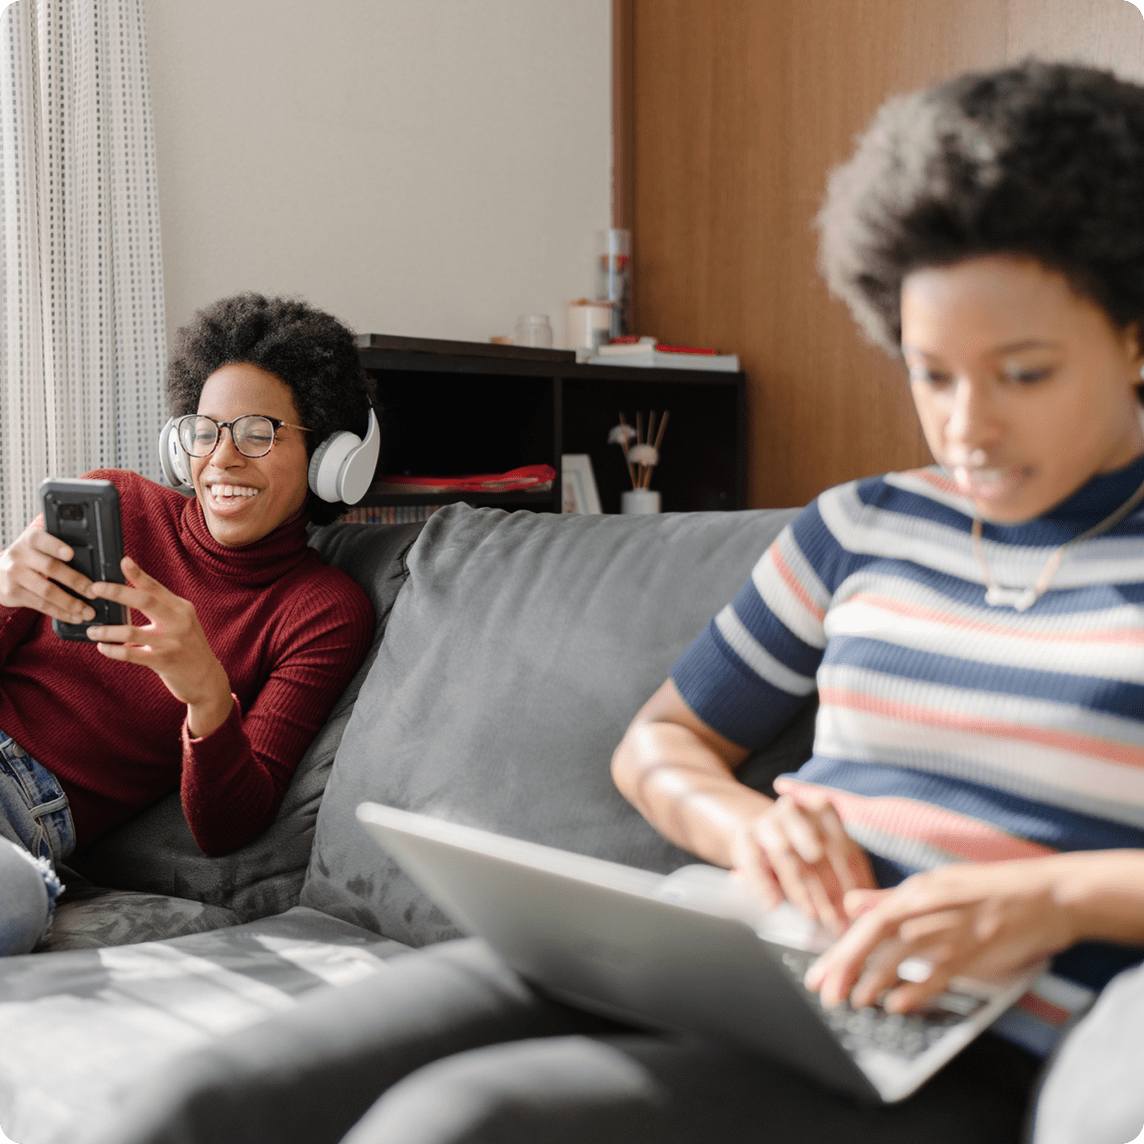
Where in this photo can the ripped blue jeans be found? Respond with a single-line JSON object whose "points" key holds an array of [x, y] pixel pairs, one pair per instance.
{"points": [[36, 833]]}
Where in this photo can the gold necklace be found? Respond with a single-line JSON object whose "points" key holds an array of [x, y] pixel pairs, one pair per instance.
{"points": [[1022, 599]]}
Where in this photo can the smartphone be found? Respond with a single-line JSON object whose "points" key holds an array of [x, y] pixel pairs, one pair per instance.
{"points": [[84, 514]]}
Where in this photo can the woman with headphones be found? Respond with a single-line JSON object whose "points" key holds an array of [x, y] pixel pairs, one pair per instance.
{"points": [[240, 639]]}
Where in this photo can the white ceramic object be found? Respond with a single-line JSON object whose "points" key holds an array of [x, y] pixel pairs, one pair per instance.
{"points": [[588, 324], [639, 501]]}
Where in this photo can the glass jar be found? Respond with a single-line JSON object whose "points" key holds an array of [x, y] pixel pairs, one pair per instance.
{"points": [[532, 330]]}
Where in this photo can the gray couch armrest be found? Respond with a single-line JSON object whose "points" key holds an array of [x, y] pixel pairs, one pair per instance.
{"points": [[1093, 1092]]}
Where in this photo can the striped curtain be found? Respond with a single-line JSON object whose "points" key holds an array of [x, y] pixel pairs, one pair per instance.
{"points": [[82, 332]]}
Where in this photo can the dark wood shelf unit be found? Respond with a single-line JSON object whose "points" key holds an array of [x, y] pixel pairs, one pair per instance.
{"points": [[401, 344], [451, 414]]}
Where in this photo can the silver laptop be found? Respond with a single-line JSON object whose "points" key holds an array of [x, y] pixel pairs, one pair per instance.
{"points": [[688, 951]]}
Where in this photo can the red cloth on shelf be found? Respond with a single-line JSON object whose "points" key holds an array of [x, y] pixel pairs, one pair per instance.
{"points": [[536, 478]]}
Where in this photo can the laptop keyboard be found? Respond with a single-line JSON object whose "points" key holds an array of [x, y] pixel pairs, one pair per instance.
{"points": [[903, 1034]]}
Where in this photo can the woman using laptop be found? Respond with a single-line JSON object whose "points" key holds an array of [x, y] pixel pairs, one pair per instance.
{"points": [[974, 801]]}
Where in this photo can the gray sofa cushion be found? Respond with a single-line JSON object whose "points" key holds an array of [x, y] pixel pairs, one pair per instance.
{"points": [[516, 654], [94, 917], [83, 1030], [155, 852]]}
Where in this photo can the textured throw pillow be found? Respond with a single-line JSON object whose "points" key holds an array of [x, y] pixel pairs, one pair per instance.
{"points": [[155, 851], [516, 654]]}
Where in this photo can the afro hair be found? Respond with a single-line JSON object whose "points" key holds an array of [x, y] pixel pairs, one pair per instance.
{"points": [[1044, 161], [307, 349]]}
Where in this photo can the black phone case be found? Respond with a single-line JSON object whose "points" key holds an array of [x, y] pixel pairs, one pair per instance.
{"points": [[85, 515]]}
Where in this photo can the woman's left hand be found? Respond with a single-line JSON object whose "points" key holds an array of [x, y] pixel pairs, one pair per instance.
{"points": [[173, 645], [988, 921]]}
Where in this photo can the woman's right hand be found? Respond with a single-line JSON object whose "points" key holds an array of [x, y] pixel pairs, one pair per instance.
{"points": [[799, 850], [31, 572]]}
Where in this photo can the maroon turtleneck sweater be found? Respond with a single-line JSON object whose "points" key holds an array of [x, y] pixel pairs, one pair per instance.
{"points": [[289, 631]]}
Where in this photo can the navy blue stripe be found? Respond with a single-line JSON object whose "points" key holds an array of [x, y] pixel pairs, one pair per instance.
{"points": [[1039, 822], [819, 546], [1099, 497], [833, 563], [1041, 532], [1102, 494], [1095, 964], [744, 708], [773, 634], [1048, 532], [876, 493], [1096, 693]]}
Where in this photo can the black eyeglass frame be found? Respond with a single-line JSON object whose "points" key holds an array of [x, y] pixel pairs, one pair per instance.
{"points": [[276, 423]]}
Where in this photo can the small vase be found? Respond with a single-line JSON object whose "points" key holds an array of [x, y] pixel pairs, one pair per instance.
{"points": [[639, 501]]}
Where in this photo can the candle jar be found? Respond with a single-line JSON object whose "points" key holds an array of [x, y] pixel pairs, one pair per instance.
{"points": [[640, 501]]}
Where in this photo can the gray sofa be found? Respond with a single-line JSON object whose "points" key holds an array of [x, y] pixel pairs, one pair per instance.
{"points": [[511, 652]]}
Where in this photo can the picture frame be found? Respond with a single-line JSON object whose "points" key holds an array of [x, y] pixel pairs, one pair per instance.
{"points": [[580, 492]]}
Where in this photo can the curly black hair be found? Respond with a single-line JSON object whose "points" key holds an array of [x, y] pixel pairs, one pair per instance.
{"points": [[1044, 161], [307, 349]]}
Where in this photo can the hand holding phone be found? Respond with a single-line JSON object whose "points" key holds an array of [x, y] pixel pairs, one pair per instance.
{"points": [[84, 514]]}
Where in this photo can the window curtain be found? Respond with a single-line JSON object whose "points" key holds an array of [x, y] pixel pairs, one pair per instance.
{"points": [[82, 333]]}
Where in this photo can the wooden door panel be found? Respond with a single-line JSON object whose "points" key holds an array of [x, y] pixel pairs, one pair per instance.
{"points": [[739, 108]]}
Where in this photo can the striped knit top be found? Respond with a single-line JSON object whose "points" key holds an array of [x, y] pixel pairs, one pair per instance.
{"points": [[948, 729]]}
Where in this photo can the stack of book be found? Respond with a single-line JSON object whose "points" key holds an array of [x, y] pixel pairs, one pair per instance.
{"points": [[389, 514], [648, 352]]}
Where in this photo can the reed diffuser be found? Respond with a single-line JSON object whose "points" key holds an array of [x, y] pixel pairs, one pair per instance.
{"points": [[640, 456]]}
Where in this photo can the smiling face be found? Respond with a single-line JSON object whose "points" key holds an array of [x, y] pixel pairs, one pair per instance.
{"points": [[247, 498], [1025, 390]]}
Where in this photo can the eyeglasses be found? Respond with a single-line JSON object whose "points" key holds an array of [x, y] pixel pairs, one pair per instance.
{"points": [[253, 435]]}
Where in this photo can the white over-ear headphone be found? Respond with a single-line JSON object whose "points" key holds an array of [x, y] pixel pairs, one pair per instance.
{"points": [[172, 458], [341, 468]]}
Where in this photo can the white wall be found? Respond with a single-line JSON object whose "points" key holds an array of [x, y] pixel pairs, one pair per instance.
{"points": [[420, 167]]}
